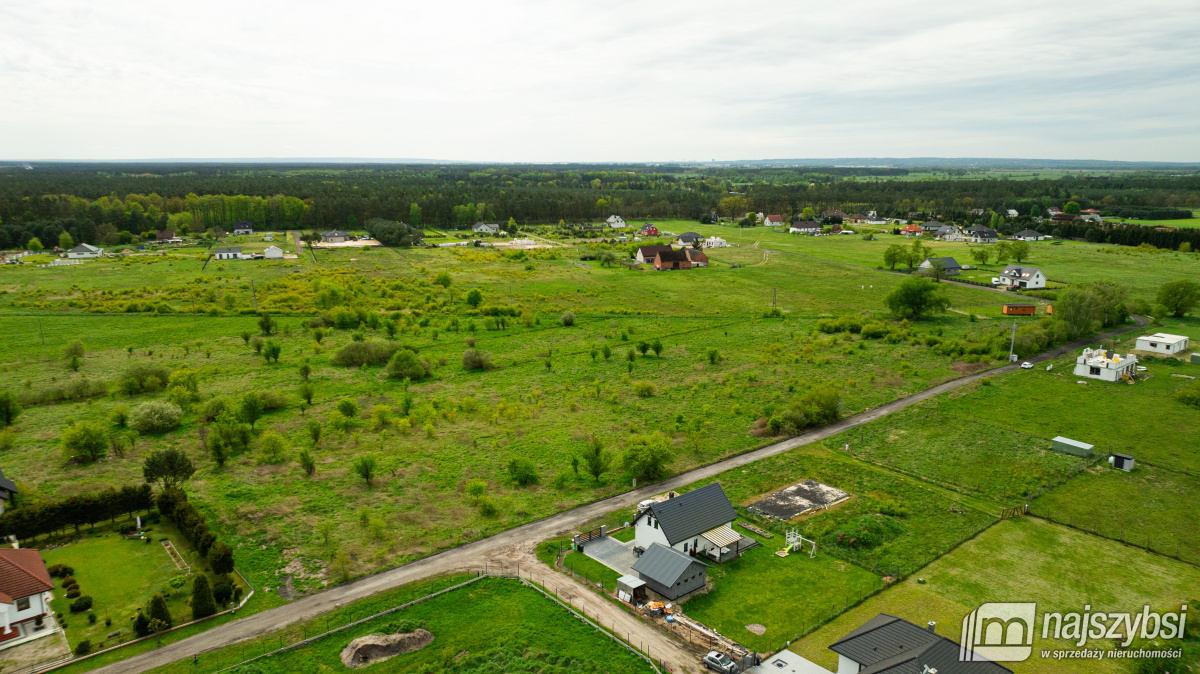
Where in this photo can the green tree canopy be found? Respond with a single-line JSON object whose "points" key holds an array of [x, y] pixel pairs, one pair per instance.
{"points": [[915, 298], [170, 466], [1179, 297]]}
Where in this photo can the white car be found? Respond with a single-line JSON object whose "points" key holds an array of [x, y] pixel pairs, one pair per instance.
{"points": [[1027, 365]]}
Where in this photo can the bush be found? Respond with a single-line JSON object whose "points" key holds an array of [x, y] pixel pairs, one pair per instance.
{"points": [[214, 406], [476, 360], [272, 399], [643, 389], [476, 488], [567, 318], [155, 416], [488, 507], [1189, 395], [141, 625], [222, 593], [85, 441], [357, 354], [405, 364], [81, 604], [817, 407], [868, 531], [84, 647], [144, 377], [68, 580], [523, 472]]}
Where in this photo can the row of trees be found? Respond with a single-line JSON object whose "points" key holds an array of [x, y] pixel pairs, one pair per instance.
{"points": [[46, 518]]}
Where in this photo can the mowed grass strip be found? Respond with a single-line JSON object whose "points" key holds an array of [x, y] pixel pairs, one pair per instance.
{"points": [[1024, 560], [592, 570]]}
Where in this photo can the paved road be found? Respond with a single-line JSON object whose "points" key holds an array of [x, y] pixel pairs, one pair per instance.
{"points": [[515, 544]]}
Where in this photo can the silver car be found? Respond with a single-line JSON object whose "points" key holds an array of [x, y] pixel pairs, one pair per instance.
{"points": [[719, 662]]}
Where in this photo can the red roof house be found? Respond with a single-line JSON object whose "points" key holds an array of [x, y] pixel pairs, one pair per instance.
{"points": [[24, 588], [912, 229], [774, 221]]}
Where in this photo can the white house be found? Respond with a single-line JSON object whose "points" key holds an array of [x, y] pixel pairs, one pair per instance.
{"points": [[1029, 235], [646, 254], [1163, 343], [1022, 277], [615, 221], [334, 236], [873, 219], [1011, 213], [889, 644], [243, 228], [273, 253], [774, 220], [696, 522], [25, 594], [84, 252], [981, 234], [715, 242], [485, 228], [949, 233], [1105, 365], [804, 227], [231, 253]]}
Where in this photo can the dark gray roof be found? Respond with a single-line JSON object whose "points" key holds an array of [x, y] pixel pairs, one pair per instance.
{"points": [[1019, 270], [7, 485], [689, 236], [931, 225], [650, 251], [1027, 232], [693, 513], [83, 248], [335, 232], [231, 249], [664, 565], [893, 645], [947, 262], [806, 224]]}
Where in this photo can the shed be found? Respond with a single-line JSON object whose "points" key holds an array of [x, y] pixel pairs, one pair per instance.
{"points": [[1161, 342], [1018, 309], [631, 589], [670, 572], [1121, 462], [1072, 447], [1196, 358]]}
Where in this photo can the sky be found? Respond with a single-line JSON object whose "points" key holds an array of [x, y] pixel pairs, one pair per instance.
{"points": [[643, 81]]}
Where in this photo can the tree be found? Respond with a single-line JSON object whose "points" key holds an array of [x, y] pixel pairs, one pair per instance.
{"points": [[85, 441], [981, 255], [1179, 297], [916, 297], [348, 408], [917, 253], [365, 466], [141, 626], [606, 351], [1071, 207], [35, 245], [474, 297], [306, 369], [808, 213], [442, 279], [251, 407], [894, 255], [155, 416], [170, 466], [220, 558], [567, 318], [266, 324], [306, 392], [595, 458], [203, 604], [314, 430], [1003, 251], [9, 409], [307, 463], [414, 214], [656, 346], [647, 456], [522, 471], [65, 241], [1077, 310], [217, 449], [271, 448], [1021, 251], [159, 611], [405, 364], [271, 351]]}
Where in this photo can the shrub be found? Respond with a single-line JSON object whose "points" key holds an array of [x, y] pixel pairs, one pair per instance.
{"points": [[222, 593], [214, 406], [357, 354], [488, 507], [119, 416], [141, 625], [155, 416], [83, 647], [68, 580], [347, 408], [405, 364], [81, 604], [143, 377], [74, 350], [522, 471], [643, 389], [273, 399], [203, 602], [476, 360], [85, 441], [1189, 395], [9, 409], [476, 488], [271, 448], [91, 618], [816, 407], [567, 318]]}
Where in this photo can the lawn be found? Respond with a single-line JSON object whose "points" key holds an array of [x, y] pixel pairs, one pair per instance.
{"points": [[1156, 506], [592, 570], [492, 625], [121, 575], [1023, 560], [786, 595]]}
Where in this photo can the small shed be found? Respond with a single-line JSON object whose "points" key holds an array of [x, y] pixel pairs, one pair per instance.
{"points": [[670, 572], [1121, 462], [631, 589], [1072, 447], [1196, 358], [1019, 309]]}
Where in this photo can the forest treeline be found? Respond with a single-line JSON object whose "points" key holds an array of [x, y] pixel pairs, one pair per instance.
{"points": [[95, 203]]}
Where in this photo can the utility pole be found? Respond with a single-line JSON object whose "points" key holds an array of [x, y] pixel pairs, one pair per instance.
{"points": [[1012, 342], [774, 296], [254, 295]]}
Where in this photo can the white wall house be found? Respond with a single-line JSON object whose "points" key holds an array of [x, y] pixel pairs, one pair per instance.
{"points": [[1163, 343], [715, 242], [696, 522], [231, 253], [1022, 277], [84, 252], [273, 253], [243, 228], [25, 594], [1105, 365], [615, 221]]}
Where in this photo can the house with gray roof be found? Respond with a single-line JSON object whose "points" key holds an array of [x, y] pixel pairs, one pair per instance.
{"points": [[949, 265], [84, 252], [688, 238], [230, 253], [334, 236], [1023, 277], [981, 234], [669, 572], [485, 228], [695, 523], [886, 644], [1029, 235]]}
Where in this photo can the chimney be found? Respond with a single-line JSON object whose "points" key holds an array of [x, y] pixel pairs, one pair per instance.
{"points": [[932, 627]]}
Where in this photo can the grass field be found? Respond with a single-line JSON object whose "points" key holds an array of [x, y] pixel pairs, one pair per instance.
{"points": [[592, 570], [492, 625], [1023, 560]]}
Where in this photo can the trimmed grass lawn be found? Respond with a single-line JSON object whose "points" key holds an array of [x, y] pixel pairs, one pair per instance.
{"points": [[787, 595], [494, 625], [1147, 505], [592, 570], [1025, 559], [121, 576]]}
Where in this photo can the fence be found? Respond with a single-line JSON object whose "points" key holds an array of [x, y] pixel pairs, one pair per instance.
{"points": [[213, 661]]}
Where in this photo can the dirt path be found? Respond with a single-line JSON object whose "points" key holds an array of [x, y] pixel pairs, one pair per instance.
{"points": [[516, 545]]}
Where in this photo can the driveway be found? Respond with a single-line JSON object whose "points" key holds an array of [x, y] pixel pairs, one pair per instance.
{"points": [[612, 553], [516, 545]]}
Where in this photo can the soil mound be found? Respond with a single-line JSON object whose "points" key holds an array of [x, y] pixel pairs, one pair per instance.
{"points": [[374, 648]]}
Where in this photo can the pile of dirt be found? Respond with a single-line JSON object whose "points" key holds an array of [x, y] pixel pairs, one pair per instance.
{"points": [[374, 648]]}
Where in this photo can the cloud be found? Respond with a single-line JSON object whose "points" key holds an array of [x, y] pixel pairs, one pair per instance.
{"points": [[619, 81]]}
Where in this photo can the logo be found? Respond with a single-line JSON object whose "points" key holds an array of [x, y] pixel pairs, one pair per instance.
{"points": [[999, 632]]}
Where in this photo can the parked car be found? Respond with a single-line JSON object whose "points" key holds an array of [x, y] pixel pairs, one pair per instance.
{"points": [[719, 662], [1027, 365]]}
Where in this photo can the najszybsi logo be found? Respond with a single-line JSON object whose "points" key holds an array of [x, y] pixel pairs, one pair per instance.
{"points": [[1003, 631]]}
